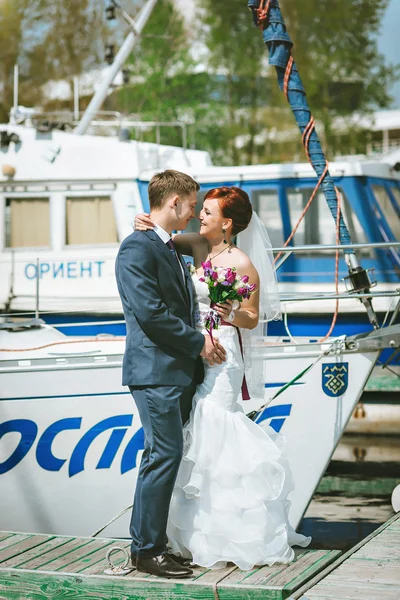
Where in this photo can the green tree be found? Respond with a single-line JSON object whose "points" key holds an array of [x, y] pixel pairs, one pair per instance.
{"points": [[236, 55], [164, 85], [17, 18], [335, 50], [159, 68], [48, 39], [70, 43], [337, 54]]}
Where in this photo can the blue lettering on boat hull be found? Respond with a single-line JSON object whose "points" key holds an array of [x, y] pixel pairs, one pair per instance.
{"points": [[117, 425]]}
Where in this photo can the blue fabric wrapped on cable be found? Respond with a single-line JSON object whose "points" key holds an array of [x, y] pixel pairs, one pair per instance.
{"points": [[268, 16]]}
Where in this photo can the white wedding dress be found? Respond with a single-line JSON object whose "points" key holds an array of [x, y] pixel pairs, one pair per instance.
{"points": [[229, 502]]}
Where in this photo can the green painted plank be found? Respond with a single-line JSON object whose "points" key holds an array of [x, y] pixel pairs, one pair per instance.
{"points": [[34, 553], [324, 575], [94, 554], [354, 487], [378, 552], [282, 572], [19, 548], [310, 572], [14, 539], [212, 576], [343, 593], [45, 561], [354, 591], [383, 380], [279, 581], [63, 563], [5, 534], [365, 571], [238, 576], [18, 584]]}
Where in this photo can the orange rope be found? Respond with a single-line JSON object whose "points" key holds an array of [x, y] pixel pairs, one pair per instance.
{"points": [[335, 315], [307, 206], [310, 127], [288, 71], [114, 339], [262, 12]]}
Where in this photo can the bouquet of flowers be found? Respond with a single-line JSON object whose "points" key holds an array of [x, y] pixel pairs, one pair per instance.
{"points": [[224, 284]]}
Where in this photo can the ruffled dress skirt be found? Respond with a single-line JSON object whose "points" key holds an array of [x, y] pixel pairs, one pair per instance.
{"points": [[229, 502]]}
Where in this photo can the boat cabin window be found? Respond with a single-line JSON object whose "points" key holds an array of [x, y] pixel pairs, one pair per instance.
{"points": [[266, 204], [396, 193], [90, 220], [387, 208], [27, 223], [318, 225]]}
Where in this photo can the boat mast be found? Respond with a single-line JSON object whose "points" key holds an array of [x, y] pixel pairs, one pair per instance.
{"points": [[137, 27]]}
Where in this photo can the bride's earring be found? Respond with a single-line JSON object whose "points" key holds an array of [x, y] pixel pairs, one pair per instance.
{"points": [[224, 232]]}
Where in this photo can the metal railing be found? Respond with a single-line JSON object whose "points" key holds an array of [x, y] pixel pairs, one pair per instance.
{"points": [[61, 119]]}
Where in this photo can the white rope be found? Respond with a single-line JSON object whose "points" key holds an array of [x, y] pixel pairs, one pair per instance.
{"points": [[112, 520]]}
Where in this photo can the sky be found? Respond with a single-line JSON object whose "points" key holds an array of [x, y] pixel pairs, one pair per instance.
{"points": [[388, 42]]}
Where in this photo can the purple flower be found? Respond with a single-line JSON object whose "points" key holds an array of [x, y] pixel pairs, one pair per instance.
{"points": [[207, 264], [225, 283]]}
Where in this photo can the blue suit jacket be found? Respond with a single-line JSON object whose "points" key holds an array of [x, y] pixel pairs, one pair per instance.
{"points": [[162, 344]]}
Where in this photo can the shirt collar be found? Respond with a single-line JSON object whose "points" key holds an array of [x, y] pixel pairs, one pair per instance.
{"points": [[162, 234]]}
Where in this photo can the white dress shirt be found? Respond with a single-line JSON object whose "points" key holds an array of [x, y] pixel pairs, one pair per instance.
{"points": [[165, 237]]}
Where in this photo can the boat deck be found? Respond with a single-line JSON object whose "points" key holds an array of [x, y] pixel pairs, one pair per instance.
{"points": [[369, 571], [45, 566]]}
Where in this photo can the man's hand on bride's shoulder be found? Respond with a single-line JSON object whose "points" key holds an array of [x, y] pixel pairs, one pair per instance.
{"points": [[213, 353], [143, 222]]}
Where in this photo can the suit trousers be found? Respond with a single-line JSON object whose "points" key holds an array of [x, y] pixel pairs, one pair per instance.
{"points": [[163, 410]]}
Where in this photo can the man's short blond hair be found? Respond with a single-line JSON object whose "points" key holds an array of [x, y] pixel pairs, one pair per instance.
{"points": [[167, 183]]}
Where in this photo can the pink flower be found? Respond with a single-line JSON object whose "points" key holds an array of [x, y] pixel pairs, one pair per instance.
{"points": [[242, 291], [214, 275], [252, 287], [207, 264], [230, 276], [245, 278], [201, 279]]}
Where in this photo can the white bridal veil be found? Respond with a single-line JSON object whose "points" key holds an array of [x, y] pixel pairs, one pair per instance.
{"points": [[255, 242]]}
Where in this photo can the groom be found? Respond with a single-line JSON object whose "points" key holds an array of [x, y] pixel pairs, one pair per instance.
{"points": [[162, 363]]}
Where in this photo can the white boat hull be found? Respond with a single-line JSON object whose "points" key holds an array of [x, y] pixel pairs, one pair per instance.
{"points": [[71, 437]]}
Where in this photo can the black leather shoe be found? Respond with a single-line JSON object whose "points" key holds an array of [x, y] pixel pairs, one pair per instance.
{"points": [[184, 562], [163, 566]]}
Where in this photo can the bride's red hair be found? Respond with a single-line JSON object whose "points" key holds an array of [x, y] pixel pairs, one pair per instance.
{"points": [[234, 204]]}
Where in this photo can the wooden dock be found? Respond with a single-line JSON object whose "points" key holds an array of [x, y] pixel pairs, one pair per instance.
{"points": [[43, 567], [369, 571], [34, 567]]}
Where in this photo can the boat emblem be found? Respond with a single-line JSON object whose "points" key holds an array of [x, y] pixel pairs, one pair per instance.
{"points": [[335, 378]]}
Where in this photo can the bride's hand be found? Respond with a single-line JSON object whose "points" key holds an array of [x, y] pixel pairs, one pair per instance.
{"points": [[143, 222], [224, 309]]}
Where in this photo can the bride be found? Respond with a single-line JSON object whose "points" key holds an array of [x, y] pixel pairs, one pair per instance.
{"points": [[229, 502]]}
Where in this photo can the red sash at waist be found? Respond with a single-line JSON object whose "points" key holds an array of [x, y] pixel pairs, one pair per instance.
{"points": [[245, 389]]}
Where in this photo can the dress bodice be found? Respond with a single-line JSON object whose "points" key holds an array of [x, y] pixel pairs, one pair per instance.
{"points": [[202, 297]]}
